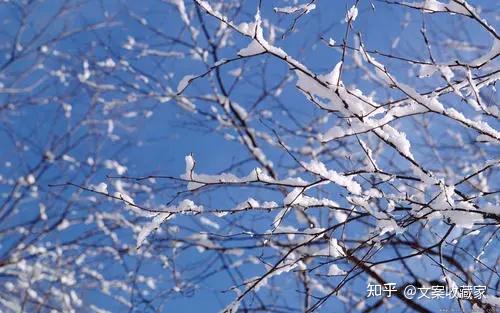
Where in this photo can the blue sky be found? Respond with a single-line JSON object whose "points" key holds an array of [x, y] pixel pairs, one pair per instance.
{"points": [[159, 143]]}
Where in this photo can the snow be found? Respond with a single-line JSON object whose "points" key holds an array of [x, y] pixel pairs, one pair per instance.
{"points": [[306, 8], [146, 231], [125, 197], [493, 300], [111, 126], [398, 139], [447, 72], [307, 201], [463, 219], [242, 113], [182, 10], [334, 270], [112, 164], [130, 44], [247, 29], [233, 306], [196, 181], [312, 87], [426, 70], [185, 81], [388, 225], [252, 49], [333, 133], [86, 72], [335, 250], [102, 188], [430, 102], [190, 163], [435, 6], [202, 241], [333, 78], [347, 182], [30, 179], [456, 212], [493, 52], [351, 14], [444, 200], [330, 93], [236, 72], [278, 270], [252, 203], [107, 63], [63, 225], [208, 222], [292, 196], [186, 206], [479, 125], [340, 216], [210, 10], [185, 103], [43, 211]]}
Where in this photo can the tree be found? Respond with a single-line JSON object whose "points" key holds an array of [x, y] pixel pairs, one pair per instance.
{"points": [[344, 155]]}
